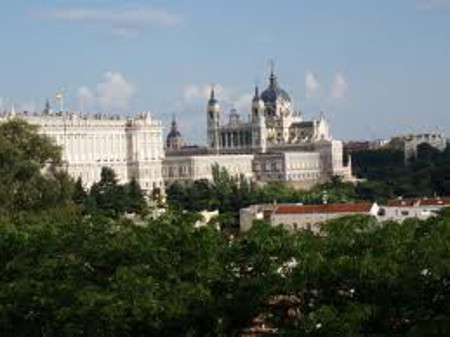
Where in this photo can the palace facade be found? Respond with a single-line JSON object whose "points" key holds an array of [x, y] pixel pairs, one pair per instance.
{"points": [[132, 147]]}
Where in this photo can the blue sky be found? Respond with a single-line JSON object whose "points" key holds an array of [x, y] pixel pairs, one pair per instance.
{"points": [[375, 67]]}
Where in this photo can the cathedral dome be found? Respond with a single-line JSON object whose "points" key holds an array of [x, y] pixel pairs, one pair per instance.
{"points": [[274, 92], [174, 133], [174, 139], [213, 102]]}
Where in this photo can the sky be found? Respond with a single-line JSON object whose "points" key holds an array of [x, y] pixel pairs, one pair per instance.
{"points": [[376, 68]]}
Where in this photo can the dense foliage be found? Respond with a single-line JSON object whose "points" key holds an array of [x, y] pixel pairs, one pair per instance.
{"points": [[103, 277], [110, 198], [229, 194], [389, 175], [33, 178], [24, 154], [76, 267]]}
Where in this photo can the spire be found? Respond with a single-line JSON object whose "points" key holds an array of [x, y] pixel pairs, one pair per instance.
{"points": [[273, 77], [174, 123], [47, 108], [212, 97], [256, 97], [174, 133]]}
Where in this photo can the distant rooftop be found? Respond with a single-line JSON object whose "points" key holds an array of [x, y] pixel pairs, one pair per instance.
{"points": [[324, 209]]}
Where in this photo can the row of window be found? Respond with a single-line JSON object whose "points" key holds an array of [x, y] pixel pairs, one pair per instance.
{"points": [[305, 176], [304, 165], [178, 171], [268, 167], [236, 139], [270, 177], [108, 137], [94, 174], [94, 158]]}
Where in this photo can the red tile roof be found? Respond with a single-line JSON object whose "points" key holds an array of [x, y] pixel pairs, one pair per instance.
{"points": [[435, 202], [330, 208], [419, 202], [402, 202]]}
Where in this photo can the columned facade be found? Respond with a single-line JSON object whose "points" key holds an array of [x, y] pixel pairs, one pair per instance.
{"points": [[132, 147]]}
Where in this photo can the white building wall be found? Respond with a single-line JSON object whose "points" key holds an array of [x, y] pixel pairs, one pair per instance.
{"points": [[304, 221], [133, 148], [303, 166], [409, 143], [191, 168], [402, 213]]}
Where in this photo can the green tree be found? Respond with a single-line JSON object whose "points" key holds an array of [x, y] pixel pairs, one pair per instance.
{"points": [[107, 195], [31, 177], [388, 175], [359, 278], [135, 200], [104, 277], [253, 275], [79, 193]]}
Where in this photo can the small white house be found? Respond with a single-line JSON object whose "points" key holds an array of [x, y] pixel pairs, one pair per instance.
{"points": [[299, 216]]}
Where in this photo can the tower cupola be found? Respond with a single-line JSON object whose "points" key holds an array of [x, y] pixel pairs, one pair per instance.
{"points": [[174, 140], [213, 120], [258, 105]]}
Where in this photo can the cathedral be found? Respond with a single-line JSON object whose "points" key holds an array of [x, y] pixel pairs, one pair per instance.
{"points": [[274, 145], [274, 122]]}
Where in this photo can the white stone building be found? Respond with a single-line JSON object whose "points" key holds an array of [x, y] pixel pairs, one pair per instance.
{"points": [[408, 144], [402, 209], [274, 122], [302, 169], [133, 147], [298, 216], [275, 144], [188, 168], [301, 217]]}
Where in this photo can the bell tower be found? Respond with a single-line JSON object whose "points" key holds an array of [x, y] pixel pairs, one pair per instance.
{"points": [[259, 130], [213, 122], [258, 106]]}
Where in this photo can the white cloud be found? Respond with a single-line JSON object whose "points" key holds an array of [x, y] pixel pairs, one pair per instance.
{"points": [[193, 92], [340, 86], [430, 5], [195, 95], [119, 22], [115, 93], [86, 98], [243, 104], [312, 85]]}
